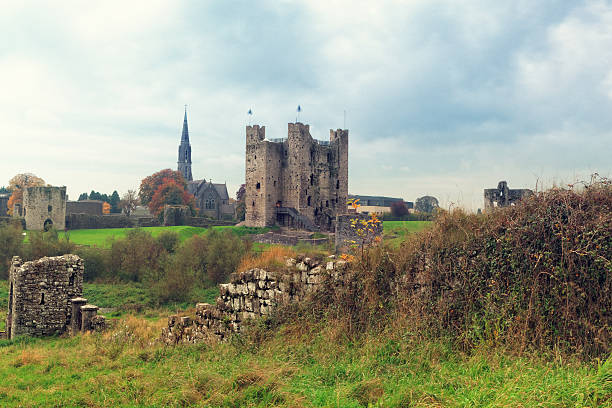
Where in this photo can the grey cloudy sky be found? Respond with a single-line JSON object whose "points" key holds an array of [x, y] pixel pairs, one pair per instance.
{"points": [[442, 97]]}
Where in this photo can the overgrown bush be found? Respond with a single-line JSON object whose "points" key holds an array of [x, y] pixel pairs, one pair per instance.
{"points": [[169, 240], [201, 261], [96, 262], [138, 257], [11, 244], [535, 276], [47, 243]]}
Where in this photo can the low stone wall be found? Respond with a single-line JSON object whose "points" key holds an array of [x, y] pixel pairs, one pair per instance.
{"points": [[252, 294], [88, 221]]}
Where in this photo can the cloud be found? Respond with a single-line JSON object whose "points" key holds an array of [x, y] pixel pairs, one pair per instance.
{"points": [[441, 97]]}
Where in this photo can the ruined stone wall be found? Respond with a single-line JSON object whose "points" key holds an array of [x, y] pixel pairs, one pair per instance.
{"points": [[87, 221], [251, 294], [299, 172], [40, 293], [4, 205], [91, 207], [503, 196], [43, 206], [346, 231]]}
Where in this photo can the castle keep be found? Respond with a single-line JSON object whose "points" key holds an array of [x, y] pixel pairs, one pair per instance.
{"points": [[295, 181]]}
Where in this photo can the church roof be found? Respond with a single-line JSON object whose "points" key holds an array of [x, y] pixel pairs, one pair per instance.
{"points": [[196, 186]]}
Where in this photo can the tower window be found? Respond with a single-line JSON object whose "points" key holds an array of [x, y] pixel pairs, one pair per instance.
{"points": [[258, 186], [337, 184], [49, 208], [327, 203], [42, 298], [309, 201]]}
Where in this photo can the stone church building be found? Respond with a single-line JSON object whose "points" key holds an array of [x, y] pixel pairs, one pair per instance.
{"points": [[211, 199]]}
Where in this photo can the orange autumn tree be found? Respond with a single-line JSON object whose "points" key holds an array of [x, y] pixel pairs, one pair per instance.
{"points": [[17, 184], [173, 193], [149, 185], [106, 208]]}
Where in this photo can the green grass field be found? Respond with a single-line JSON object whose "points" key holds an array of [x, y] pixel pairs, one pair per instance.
{"points": [[394, 232], [293, 367], [101, 237]]}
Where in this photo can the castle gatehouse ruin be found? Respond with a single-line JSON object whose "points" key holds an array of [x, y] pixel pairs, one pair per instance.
{"points": [[295, 181], [45, 298], [44, 208], [502, 196]]}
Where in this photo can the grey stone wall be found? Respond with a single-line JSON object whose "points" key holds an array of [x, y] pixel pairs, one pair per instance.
{"points": [[4, 205], [40, 293], [502, 196], [252, 294], [87, 221], [91, 207], [346, 231], [43, 205], [298, 172]]}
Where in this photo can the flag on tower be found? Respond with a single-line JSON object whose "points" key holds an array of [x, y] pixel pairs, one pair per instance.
{"points": [[250, 112], [299, 109]]}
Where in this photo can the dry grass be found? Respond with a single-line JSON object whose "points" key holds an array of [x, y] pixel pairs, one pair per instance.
{"points": [[273, 256]]}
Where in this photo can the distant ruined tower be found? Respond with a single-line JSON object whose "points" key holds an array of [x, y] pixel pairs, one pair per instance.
{"points": [[184, 153]]}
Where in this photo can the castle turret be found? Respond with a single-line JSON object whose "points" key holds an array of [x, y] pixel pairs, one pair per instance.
{"points": [[184, 153]]}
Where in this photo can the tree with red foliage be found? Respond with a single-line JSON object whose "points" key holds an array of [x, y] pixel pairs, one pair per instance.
{"points": [[399, 209], [170, 192], [19, 183], [151, 184]]}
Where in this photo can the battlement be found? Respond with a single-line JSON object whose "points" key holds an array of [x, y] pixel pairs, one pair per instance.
{"points": [[300, 173]]}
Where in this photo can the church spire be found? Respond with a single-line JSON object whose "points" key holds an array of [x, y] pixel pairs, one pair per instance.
{"points": [[184, 153], [185, 135]]}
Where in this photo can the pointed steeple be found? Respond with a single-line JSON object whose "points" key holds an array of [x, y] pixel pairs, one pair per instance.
{"points": [[184, 153], [185, 135]]}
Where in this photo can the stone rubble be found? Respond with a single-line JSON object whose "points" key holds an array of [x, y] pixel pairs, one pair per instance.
{"points": [[252, 294]]}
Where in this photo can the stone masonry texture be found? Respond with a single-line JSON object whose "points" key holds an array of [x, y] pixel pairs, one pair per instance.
{"points": [[39, 295], [252, 294], [306, 176], [44, 206]]}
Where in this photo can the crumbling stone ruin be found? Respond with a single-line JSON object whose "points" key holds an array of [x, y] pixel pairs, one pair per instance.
{"points": [[45, 297], [296, 181], [251, 294], [44, 207], [502, 196], [4, 204], [346, 231]]}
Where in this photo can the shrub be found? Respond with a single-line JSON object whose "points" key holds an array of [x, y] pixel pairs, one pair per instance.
{"points": [[137, 257], [535, 276], [96, 262], [201, 261], [11, 244], [169, 240], [47, 243]]}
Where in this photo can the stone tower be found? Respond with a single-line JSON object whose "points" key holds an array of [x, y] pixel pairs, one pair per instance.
{"points": [[184, 153], [296, 181], [44, 207]]}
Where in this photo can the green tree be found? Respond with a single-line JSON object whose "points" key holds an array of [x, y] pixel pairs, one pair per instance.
{"points": [[114, 202], [83, 196]]}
